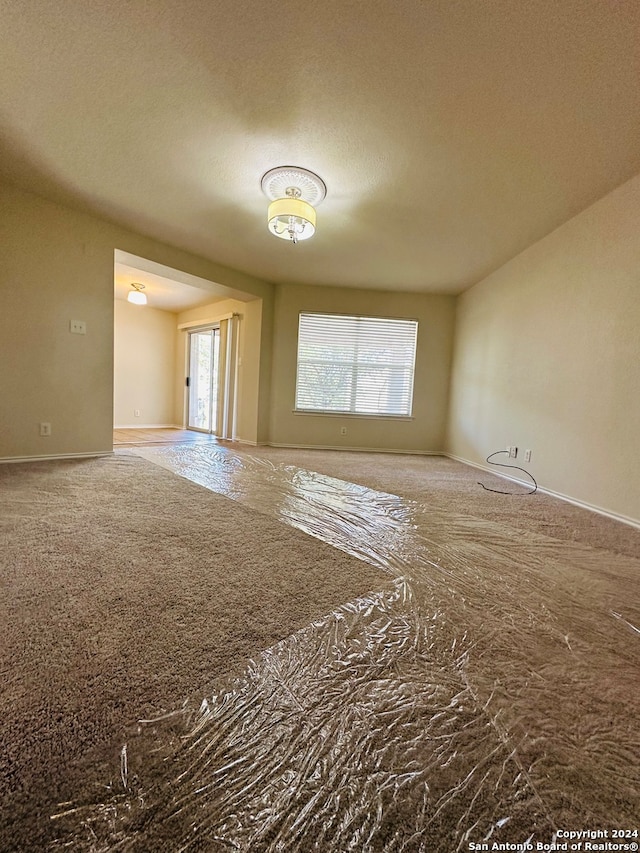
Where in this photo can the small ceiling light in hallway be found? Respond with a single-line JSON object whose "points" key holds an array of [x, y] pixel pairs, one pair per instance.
{"points": [[136, 295], [293, 193]]}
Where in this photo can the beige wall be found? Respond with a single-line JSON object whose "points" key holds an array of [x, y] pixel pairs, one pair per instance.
{"points": [[247, 427], [425, 431], [57, 265], [144, 366], [547, 357]]}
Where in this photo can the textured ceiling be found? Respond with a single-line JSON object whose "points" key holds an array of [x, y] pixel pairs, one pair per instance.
{"points": [[451, 134]]}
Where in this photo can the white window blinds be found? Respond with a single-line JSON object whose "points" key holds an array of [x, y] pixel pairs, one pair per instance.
{"points": [[359, 365]]}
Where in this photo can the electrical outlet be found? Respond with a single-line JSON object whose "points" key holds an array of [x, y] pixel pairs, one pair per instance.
{"points": [[136, 413], [45, 429], [513, 452], [77, 327], [527, 456], [343, 430]]}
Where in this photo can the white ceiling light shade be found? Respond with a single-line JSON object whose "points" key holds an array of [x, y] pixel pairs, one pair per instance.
{"points": [[293, 193], [136, 295], [291, 218]]}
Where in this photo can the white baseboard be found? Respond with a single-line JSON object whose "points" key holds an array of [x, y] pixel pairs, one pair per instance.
{"points": [[357, 449], [625, 519], [8, 459], [148, 426]]}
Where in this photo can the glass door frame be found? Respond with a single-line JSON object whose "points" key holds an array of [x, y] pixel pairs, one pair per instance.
{"points": [[214, 379]]}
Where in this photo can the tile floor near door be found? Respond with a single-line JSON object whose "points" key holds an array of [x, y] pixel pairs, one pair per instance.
{"points": [[160, 435]]}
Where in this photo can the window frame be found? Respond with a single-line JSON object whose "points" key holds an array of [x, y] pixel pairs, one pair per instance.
{"points": [[353, 364]]}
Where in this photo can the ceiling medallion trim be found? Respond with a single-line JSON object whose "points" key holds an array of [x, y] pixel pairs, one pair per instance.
{"points": [[277, 182]]}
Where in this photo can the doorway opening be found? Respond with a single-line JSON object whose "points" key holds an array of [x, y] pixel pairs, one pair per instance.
{"points": [[178, 372]]}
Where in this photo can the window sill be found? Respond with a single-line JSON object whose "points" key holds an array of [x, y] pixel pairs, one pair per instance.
{"points": [[352, 415]]}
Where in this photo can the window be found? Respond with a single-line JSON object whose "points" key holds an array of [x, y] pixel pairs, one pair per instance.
{"points": [[358, 365]]}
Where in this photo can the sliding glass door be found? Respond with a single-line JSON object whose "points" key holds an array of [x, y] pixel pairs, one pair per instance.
{"points": [[204, 350]]}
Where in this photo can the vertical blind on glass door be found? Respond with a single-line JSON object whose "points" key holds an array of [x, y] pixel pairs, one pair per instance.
{"points": [[356, 365]]}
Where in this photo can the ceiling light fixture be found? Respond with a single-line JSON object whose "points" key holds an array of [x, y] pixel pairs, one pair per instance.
{"points": [[293, 192], [136, 295]]}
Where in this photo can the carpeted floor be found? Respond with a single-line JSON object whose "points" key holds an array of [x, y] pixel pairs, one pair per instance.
{"points": [[492, 690], [447, 485], [498, 693], [125, 589]]}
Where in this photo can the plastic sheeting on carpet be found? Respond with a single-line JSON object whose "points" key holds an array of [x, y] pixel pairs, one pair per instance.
{"points": [[492, 697]]}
